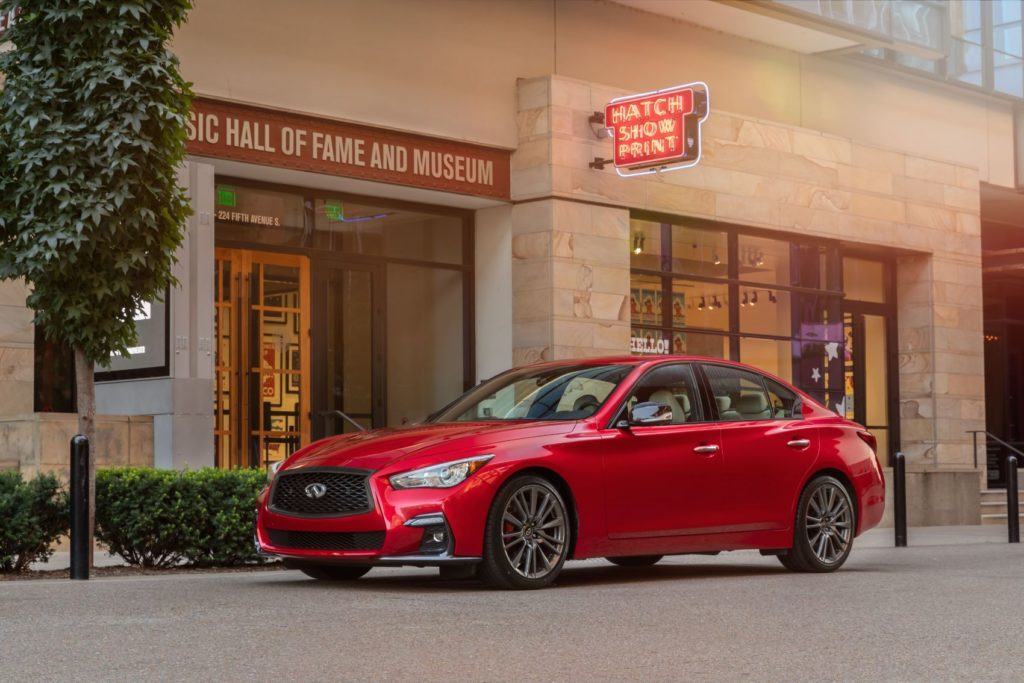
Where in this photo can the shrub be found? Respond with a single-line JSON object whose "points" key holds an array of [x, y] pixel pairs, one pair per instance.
{"points": [[33, 515], [160, 518]]}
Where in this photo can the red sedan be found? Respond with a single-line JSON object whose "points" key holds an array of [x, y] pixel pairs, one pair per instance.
{"points": [[626, 458]]}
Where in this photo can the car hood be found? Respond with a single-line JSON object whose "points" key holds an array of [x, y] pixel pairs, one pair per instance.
{"points": [[379, 448]]}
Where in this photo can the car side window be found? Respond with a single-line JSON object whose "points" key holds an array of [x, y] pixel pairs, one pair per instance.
{"points": [[785, 403], [739, 394], [672, 385]]}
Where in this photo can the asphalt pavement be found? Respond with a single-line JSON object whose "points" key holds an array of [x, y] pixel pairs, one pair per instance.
{"points": [[949, 607]]}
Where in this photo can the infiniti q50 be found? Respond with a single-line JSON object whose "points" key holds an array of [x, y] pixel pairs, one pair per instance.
{"points": [[629, 458]]}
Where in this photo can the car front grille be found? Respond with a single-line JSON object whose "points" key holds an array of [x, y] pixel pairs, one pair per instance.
{"points": [[326, 540], [343, 493]]}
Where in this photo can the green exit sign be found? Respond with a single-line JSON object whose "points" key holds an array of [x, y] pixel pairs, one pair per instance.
{"points": [[226, 196], [335, 211]]}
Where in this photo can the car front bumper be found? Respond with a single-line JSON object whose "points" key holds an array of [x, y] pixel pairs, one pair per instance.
{"points": [[400, 527]]}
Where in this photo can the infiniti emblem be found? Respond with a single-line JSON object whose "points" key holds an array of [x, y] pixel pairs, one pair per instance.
{"points": [[316, 490]]}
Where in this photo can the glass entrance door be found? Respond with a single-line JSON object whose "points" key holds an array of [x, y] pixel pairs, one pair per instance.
{"points": [[261, 391], [350, 297], [867, 398]]}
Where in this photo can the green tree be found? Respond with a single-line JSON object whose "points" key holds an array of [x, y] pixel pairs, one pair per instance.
{"points": [[92, 131]]}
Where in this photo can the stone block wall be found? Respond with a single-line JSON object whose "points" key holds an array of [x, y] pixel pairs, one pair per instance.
{"points": [[40, 442], [570, 269], [17, 341]]}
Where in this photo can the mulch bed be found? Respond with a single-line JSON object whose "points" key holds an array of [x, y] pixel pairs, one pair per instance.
{"points": [[99, 572]]}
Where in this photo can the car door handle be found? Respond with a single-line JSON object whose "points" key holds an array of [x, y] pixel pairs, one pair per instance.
{"points": [[706, 450], [799, 443]]}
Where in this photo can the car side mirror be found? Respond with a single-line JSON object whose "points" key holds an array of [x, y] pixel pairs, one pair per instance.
{"points": [[650, 413]]}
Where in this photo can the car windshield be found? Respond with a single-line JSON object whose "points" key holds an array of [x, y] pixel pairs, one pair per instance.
{"points": [[566, 392]]}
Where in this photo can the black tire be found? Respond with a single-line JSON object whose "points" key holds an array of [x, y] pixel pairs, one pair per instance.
{"points": [[497, 569], [635, 560], [331, 572], [822, 538]]}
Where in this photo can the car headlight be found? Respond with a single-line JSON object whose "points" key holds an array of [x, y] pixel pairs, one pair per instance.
{"points": [[272, 470], [442, 476]]}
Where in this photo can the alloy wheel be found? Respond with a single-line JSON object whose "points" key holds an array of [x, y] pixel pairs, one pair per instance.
{"points": [[829, 523], [533, 531]]}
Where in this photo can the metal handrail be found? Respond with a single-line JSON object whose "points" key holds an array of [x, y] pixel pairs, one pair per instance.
{"points": [[974, 433]]}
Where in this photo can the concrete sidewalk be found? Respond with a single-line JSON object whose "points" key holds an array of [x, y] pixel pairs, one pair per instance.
{"points": [[875, 538]]}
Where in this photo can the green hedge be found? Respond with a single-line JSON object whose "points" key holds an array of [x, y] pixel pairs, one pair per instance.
{"points": [[33, 515], [160, 518]]}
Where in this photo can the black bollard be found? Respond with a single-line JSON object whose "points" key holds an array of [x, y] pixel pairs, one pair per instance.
{"points": [[79, 507], [899, 499], [1012, 500]]}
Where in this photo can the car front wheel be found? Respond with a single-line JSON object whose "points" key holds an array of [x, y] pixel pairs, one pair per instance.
{"points": [[823, 529], [527, 538]]}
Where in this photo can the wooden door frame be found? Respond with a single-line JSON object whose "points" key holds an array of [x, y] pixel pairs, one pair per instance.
{"points": [[242, 306]]}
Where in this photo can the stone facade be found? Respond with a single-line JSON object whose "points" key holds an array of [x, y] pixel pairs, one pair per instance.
{"points": [[571, 241], [40, 442], [16, 349]]}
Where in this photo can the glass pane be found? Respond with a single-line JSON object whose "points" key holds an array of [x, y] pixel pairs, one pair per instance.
{"points": [[917, 22], [864, 280], [647, 341], [764, 260], [1005, 11], [259, 208], [424, 341], [814, 266], [765, 311], [849, 395], [364, 229], [645, 303], [349, 348], [738, 394], [700, 252], [785, 403], [965, 62], [1008, 74], [700, 304], [771, 355], [645, 246], [876, 398], [671, 385], [1007, 39]]}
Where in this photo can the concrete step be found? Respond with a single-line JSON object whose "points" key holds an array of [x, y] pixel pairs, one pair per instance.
{"points": [[998, 495], [996, 518], [996, 507]]}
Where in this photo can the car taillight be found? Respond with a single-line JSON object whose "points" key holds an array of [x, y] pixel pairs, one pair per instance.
{"points": [[869, 439]]}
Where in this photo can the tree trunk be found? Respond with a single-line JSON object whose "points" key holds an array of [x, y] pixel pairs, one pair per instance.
{"points": [[85, 390]]}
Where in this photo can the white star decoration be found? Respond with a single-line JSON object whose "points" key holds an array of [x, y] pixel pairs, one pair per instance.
{"points": [[841, 408], [816, 375], [832, 349]]}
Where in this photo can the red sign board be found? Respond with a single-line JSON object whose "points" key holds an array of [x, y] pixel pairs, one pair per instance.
{"points": [[657, 131], [255, 135]]}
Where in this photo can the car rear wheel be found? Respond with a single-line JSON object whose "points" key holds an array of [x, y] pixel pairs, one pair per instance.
{"points": [[636, 560], [328, 572], [527, 537], [824, 527]]}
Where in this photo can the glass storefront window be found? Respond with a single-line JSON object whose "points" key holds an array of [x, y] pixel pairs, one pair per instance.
{"points": [[645, 246], [700, 304], [424, 341], [864, 280], [763, 260], [363, 229], [256, 207], [699, 252], [774, 303]]}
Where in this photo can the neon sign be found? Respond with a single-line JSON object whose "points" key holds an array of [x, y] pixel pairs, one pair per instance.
{"points": [[657, 131]]}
